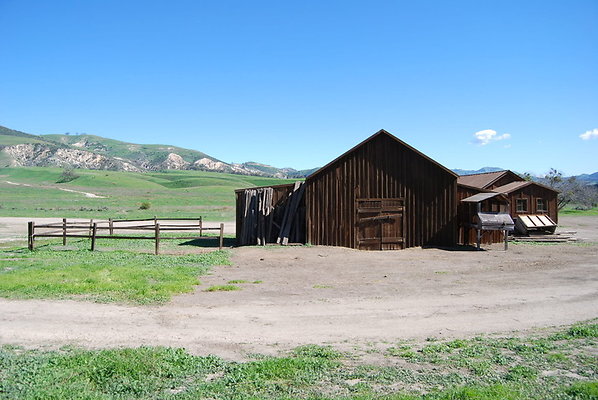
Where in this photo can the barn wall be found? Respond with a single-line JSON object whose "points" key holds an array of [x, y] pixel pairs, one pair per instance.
{"points": [[382, 168], [531, 193]]}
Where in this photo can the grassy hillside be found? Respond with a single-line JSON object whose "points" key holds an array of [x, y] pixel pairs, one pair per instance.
{"points": [[115, 148], [10, 137], [33, 192]]}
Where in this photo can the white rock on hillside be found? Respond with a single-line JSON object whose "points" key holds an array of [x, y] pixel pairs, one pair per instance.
{"points": [[174, 161]]}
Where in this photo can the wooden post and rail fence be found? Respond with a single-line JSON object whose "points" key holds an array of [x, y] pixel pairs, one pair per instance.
{"points": [[93, 230]]}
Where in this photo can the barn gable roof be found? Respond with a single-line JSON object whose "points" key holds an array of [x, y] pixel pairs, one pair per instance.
{"points": [[486, 179], [381, 132]]}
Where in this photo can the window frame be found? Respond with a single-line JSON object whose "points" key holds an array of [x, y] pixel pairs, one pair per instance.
{"points": [[523, 209], [544, 205]]}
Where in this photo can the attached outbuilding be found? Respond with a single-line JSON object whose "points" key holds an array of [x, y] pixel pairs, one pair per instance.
{"points": [[525, 199], [380, 195]]}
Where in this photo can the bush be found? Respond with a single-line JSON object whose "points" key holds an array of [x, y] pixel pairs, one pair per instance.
{"points": [[145, 205], [68, 174]]}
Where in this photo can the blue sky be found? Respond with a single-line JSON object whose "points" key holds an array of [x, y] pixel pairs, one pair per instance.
{"points": [[297, 83]]}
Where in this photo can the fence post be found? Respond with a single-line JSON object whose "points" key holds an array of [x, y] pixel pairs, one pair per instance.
{"points": [[30, 234], [200, 227], [90, 226], [93, 236], [111, 226], [64, 231], [221, 236], [157, 249]]}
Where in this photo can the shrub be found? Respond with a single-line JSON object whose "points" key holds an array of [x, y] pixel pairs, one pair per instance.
{"points": [[145, 205], [67, 175]]}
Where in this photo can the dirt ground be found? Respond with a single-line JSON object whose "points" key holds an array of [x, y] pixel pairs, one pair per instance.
{"points": [[337, 296]]}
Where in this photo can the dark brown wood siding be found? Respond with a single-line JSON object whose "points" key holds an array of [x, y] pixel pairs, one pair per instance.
{"points": [[382, 168]]}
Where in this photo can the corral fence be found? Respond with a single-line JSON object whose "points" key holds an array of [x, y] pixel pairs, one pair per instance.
{"points": [[109, 229]]}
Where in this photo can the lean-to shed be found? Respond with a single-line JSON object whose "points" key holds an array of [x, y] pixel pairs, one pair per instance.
{"points": [[381, 195]]}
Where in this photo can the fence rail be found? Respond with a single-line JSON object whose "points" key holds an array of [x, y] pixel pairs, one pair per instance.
{"points": [[92, 230]]}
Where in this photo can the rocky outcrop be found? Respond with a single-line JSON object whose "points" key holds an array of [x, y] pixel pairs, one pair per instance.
{"points": [[174, 161], [90, 154], [41, 155]]}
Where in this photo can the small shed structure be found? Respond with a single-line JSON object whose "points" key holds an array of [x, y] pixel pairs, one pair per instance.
{"points": [[524, 197], [467, 210], [380, 195]]}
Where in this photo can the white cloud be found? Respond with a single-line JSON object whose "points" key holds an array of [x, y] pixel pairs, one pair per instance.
{"points": [[593, 134], [486, 136]]}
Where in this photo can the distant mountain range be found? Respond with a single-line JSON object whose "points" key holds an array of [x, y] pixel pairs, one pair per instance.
{"points": [[479, 171], [96, 152]]}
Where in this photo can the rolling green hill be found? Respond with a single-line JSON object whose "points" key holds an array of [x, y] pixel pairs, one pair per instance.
{"points": [[100, 153], [152, 153], [33, 192]]}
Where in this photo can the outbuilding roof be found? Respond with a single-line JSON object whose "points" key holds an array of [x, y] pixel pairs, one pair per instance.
{"points": [[513, 186], [476, 198], [482, 180]]}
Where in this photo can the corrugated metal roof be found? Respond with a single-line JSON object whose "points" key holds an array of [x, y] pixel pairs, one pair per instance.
{"points": [[480, 180], [495, 219], [476, 198]]}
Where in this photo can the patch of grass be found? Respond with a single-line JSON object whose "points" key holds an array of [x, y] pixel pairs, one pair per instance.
{"points": [[322, 287], [572, 211], [172, 193], [583, 331], [257, 282], [222, 288], [114, 276], [238, 281], [307, 372], [583, 390]]}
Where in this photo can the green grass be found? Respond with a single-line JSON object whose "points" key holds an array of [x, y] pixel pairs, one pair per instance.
{"points": [[9, 140], [526, 371], [102, 276], [171, 193], [237, 281], [222, 288], [570, 210]]}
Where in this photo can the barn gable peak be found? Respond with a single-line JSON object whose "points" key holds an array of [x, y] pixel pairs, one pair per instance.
{"points": [[381, 132]]}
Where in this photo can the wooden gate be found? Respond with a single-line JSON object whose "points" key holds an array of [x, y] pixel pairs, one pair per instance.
{"points": [[380, 224]]}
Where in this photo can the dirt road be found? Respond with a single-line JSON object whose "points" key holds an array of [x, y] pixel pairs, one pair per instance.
{"points": [[337, 296]]}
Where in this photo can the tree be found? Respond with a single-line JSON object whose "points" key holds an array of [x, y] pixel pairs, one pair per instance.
{"points": [[68, 174], [571, 190]]}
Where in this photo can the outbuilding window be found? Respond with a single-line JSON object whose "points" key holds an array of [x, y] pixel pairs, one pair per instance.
{"points": [[541, 205], [521, 205]]}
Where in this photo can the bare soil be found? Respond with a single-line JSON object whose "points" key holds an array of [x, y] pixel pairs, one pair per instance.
{"points": [[338, 296]]}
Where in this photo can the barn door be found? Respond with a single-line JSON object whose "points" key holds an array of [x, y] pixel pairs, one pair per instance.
{"points": [[380, 224]]}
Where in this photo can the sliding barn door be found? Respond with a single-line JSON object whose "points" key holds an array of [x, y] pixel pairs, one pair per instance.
{"points": [[380, 224]]}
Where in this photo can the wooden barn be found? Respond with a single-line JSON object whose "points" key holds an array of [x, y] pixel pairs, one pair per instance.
{"points": [[381, 195]]}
